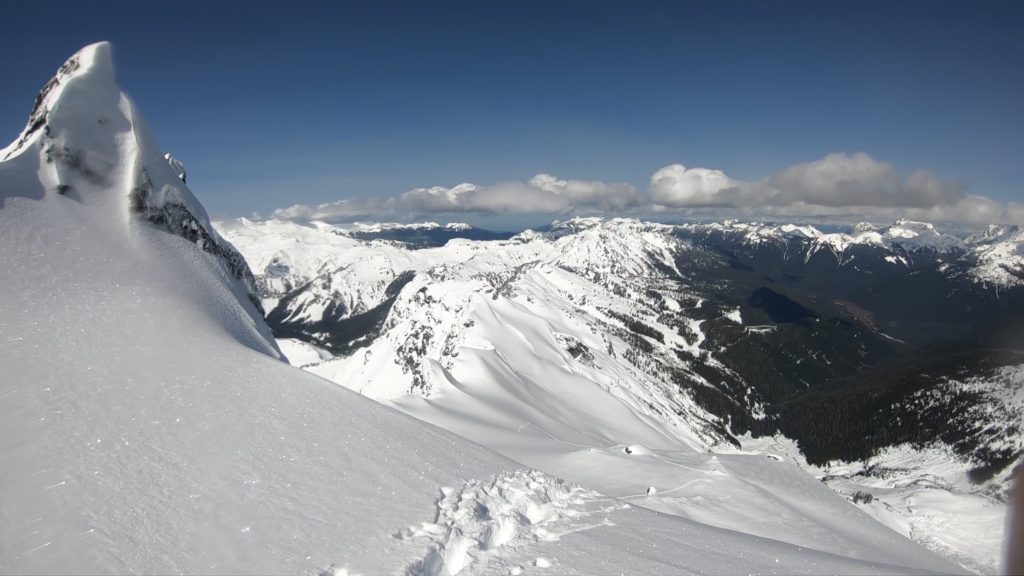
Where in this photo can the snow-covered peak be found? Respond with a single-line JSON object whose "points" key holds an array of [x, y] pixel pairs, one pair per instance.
{"points": [[794, 231], [87, 151], [914, 236], [576, 223], [996, 233], [993, 258], [756, 232], [861, 227], [906, 235], [999, 257], [622, 247], [377, 227], [92, 65], [528, 235], [582, 223]]}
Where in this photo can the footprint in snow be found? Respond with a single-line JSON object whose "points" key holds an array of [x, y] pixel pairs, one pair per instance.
{"points": [[476, 521]]}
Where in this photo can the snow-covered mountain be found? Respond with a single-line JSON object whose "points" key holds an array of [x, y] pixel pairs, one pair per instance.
{"points": [[581, 347], [147, 423], [991, 259]]}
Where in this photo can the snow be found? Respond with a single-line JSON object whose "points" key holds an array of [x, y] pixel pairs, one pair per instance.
{"points": [[903, 235], [528, 236], [301, 353], [479, 521], [377, 227], [999, 257], [523, 519], [143, 427], [479, 343], [923, 494], [994, 258], [735, 315], [147, 423]]}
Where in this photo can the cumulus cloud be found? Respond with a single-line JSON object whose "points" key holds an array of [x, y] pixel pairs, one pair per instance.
{"points": [[544, 193], [972, 210], [860, 180], [837, 188], [676, 186], [339, 210], [601, 195], [835, 181]]}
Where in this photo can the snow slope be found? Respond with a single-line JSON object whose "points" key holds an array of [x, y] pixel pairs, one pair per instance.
{"points": [[923, 494], [147, 425]]}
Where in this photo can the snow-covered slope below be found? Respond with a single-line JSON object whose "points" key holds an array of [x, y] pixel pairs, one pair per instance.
{"points": [[922, 493], [147, 425]]}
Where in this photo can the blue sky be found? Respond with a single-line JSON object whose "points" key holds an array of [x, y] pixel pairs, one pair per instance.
{"points": [[275, 104]]}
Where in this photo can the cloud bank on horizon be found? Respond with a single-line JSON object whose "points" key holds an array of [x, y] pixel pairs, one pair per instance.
{"points": [[837, 188]]}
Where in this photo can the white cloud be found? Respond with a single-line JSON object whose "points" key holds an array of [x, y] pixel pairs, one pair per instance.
{"points": [[339, 210], [972, 210], [676, 186], [859, 180], [838, 188], [1015, 212], [837, 180], [543, 193], [601, 195]]}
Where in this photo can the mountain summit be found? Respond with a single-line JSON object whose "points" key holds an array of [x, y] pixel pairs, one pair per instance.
{"points": [[85, 141]]}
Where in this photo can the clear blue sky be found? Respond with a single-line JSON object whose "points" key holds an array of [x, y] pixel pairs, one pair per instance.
{"points": [[271, 104]]}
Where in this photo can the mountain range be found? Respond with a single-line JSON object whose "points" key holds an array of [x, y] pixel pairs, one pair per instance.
{"points": [[854, 351], [598, 397]]}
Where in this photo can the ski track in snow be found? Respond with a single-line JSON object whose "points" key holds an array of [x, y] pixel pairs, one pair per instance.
{"points": [[478, 524]]}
